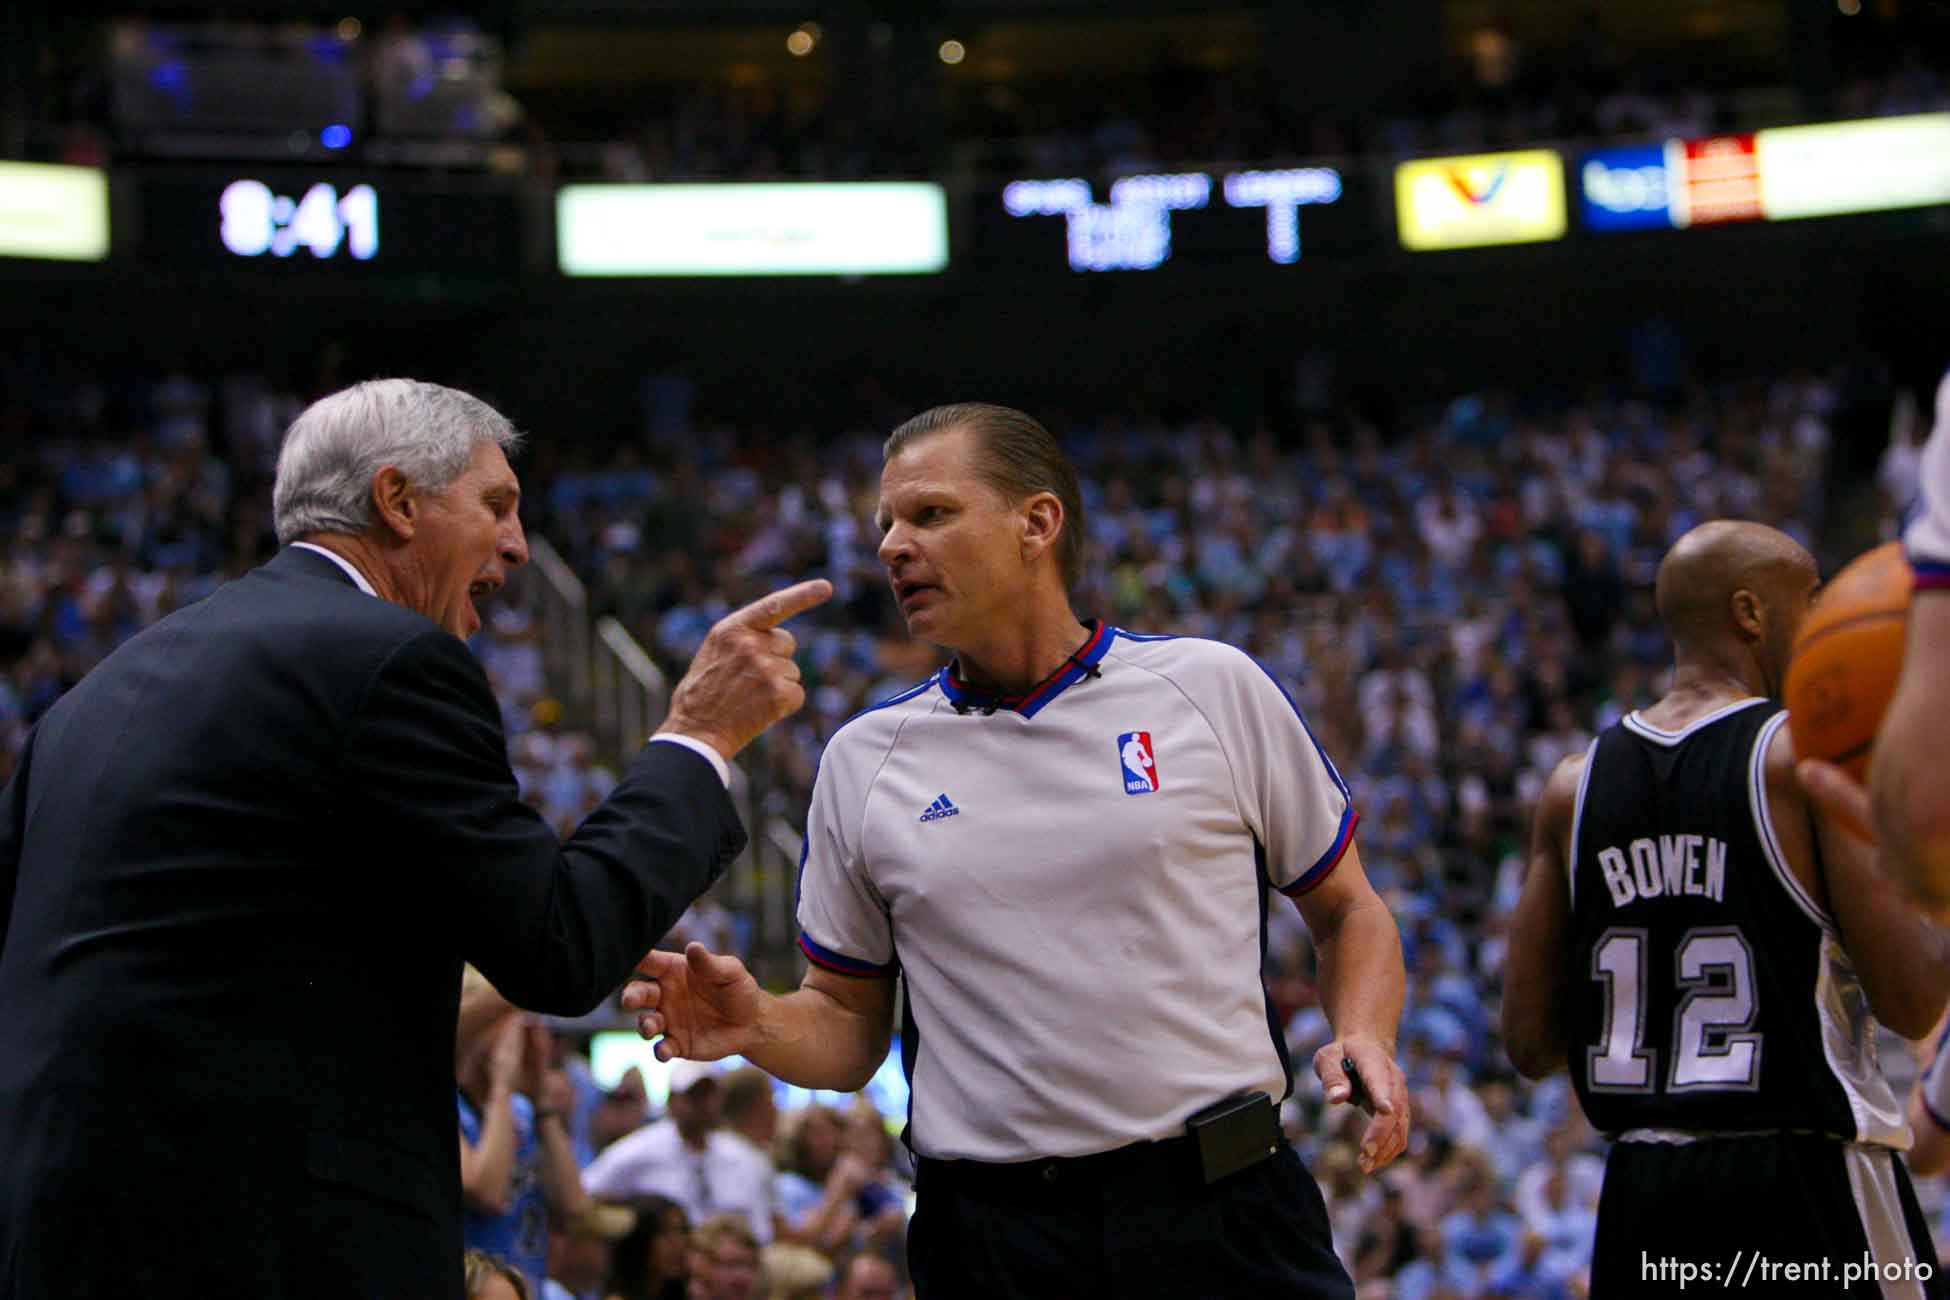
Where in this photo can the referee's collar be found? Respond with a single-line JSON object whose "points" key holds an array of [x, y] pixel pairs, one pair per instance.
{"points": [[1080, 664]]}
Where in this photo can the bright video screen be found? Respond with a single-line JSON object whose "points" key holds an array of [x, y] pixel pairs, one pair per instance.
{"points": [[613, 1052], [869, 228]]}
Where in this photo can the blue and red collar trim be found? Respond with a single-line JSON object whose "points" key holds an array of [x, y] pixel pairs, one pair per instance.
{"points": [[1082, 663]]}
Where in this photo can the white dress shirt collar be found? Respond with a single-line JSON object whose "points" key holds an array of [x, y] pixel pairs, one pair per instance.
{"points": [[358, 578]]}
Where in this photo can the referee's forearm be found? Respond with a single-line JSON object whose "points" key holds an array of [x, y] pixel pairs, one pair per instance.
{"points": [[811, 1039], [1361, 976]]}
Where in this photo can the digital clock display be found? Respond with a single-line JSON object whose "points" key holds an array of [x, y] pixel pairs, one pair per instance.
{"points": [[364, 222], [256, 220]]}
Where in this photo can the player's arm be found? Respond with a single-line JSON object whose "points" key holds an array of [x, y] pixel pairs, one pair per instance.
{"points": [[1912, 814], [1929, 1152], [1534, 1012], [832, 1032], [1902, 957], [1362, 983]]}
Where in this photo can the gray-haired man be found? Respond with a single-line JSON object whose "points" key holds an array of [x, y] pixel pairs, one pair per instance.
{"points": [[249, 853]]}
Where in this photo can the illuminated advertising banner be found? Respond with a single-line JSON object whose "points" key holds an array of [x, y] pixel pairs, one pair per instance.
{"points": [[1780, 174], [59, 213], [785, 229], [1629, 188], [1721, 181], [1839, 167], [1468, 202], [1676, 184]]}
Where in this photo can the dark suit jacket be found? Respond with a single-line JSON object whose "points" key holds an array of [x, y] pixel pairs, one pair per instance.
{"points": [[240, 867]]}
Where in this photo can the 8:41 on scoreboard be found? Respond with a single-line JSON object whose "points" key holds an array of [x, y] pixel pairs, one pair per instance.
{"points": [[257, 220]]}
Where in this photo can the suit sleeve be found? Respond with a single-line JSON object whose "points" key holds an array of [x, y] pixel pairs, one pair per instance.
{"points": [[554, 926], [13, 836], [1289, 792]]}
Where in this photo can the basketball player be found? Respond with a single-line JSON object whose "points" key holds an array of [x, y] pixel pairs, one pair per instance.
{"points": [[1906, 801], [1709, 961]]}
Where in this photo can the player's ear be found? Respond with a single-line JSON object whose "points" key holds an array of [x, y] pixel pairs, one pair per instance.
{"points": [[1749, 614]]}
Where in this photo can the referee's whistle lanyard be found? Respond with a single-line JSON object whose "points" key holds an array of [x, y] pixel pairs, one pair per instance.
{"points": [[997, 700]]}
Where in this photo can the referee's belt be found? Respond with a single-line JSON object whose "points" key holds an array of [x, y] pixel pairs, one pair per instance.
{"points": [[1173, 1161]]}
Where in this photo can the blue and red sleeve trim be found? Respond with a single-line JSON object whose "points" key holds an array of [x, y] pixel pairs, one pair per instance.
{"points": [[1931, 575], [841, 964], [1324, 868]]}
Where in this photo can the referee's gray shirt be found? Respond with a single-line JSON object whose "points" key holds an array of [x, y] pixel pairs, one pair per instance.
{"points": [[1072, 886]]}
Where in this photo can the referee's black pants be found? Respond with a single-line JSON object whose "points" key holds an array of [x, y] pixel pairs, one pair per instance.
{"points": [[1138, 1222]]}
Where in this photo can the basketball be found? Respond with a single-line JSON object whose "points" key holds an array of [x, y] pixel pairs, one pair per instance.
{"points": [[1846, 658]]}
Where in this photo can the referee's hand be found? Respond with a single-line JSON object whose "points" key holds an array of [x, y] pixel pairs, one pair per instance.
{"points": [[1386, 1096], [703, 1006]]}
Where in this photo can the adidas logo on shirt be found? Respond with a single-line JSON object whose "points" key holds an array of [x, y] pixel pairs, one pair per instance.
{"points": [[940, 808]]}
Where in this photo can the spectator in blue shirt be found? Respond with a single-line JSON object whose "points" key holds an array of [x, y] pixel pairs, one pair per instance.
{"points": [[517, 1162]]}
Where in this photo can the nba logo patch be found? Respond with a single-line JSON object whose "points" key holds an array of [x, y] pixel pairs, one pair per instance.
{"points": [[1140, 762]]}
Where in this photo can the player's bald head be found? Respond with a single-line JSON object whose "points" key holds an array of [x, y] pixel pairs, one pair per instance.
{"points": [[1713, 576]]}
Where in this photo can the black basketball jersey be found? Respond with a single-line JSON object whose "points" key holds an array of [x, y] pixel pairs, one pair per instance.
{"points": [[1709, 992]]}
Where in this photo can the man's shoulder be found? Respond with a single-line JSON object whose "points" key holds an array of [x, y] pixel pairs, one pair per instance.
{"points": [[264, 630], [300, 616], [874, 726], [654, 1141], [737, 1149], [1185, 659]]}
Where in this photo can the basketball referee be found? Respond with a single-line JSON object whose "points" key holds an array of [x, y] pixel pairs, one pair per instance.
{"points": [[1710, 960], [1064, 843]]}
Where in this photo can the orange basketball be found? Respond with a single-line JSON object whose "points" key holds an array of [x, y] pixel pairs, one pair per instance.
{"points": [[1846, 658]]}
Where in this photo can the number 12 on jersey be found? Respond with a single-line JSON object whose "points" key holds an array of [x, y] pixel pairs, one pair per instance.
{"points": [[1712, 1048]]}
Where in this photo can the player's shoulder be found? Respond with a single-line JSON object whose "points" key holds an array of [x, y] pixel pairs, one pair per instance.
{"points": [[1557, 801], [1779, 757]]}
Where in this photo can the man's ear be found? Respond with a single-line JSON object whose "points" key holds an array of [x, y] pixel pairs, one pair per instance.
{"points": [[1041, 520], [1749, 615], [395, 503]]}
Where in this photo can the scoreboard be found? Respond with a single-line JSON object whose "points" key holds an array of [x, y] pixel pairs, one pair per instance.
{"points": [[287, 221]]}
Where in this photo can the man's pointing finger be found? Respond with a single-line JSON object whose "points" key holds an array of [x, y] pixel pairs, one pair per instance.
{"points": [[770, 611]]}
